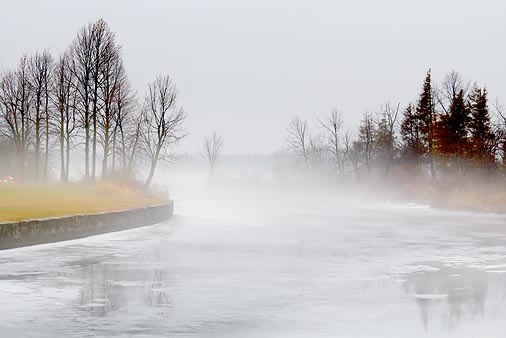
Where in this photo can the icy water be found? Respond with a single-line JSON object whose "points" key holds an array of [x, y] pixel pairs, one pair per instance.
{"points": [[253, 265]]}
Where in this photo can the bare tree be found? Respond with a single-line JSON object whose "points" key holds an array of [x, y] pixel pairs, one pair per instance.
{"points": [[366, 140], [162, 122], [352, 154], [500, 131], [298, 139], [40, 68], [86, 94], [453, 83], [92, 51], [16, 100], [132, 142], [104, 70], [212, 150], [317, 149], [386, 125], [332, 126], [112, 72], [81, 55], [64, 83], [126, 127]]}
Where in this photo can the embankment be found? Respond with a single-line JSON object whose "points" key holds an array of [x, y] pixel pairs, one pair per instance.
{"points": [[55, 229]]}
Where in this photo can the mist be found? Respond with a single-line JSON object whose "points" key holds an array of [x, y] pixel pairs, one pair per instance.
{"points": [[323, 169], [248, 256]]}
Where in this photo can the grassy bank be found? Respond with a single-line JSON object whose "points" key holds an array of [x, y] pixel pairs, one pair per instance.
{"points": [[29, 201], [479, 199], [485, 196]]}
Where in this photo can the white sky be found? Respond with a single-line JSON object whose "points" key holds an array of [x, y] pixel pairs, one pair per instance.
{"points": [[245, 68]]}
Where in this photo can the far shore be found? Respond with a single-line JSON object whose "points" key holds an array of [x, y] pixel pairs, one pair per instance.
{"points": [[484, 197]]}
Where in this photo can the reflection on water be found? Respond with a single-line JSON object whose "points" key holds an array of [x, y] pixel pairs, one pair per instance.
{"points": [[453, 294], [444, 294], [111, 286]]}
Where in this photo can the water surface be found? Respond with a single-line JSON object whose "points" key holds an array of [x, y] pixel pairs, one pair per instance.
{"points": [[267, 265]]}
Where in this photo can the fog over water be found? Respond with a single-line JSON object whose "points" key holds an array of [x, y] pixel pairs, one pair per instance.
{"points": [[267, 96], [237, 262]]}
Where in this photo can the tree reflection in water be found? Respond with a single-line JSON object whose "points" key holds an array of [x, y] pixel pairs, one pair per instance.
{"points": [[110, 287], [454, 294]]}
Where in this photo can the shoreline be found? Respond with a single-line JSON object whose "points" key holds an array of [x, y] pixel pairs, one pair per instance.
{"points": [[15, 234]]}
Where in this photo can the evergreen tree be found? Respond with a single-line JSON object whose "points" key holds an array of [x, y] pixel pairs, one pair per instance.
{"points": [[426, 116], [480, 147], [459, 120], [452, 130], [410, 133]]}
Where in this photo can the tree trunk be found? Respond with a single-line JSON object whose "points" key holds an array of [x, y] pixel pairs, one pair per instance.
{"points": [[46, 159], [87, 152], [37, 138], [151, 173], [37, 147], [153, 166], [113, 169], [22, 149], [94, 148], [62, 147], [106, 153], [124, 157], [68, 158], [132, 153]]}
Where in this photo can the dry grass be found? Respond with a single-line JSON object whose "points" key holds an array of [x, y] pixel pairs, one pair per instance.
{"points": [[448, 194], [29, 201], [480, 200]]}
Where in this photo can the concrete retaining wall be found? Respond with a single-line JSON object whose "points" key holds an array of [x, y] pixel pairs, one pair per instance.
{"points": [[39, 231]]}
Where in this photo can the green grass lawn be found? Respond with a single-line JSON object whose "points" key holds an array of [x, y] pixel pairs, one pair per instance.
{"points": [[29, 201]]}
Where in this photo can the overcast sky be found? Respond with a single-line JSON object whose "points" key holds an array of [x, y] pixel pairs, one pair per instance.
{"points": [[245, 68]]}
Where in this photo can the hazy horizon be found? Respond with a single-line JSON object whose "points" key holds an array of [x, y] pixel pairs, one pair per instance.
{"points": [[246, 68]]}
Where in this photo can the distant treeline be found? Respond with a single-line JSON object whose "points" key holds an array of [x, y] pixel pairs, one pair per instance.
{"points": [[448, 131], [82, 101]]}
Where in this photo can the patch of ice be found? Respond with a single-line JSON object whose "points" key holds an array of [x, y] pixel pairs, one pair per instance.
{"points": [[421, 206], [497, 266], [413, 268], [428, 296], [374, 278], [94, 305], [496, 271]]}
